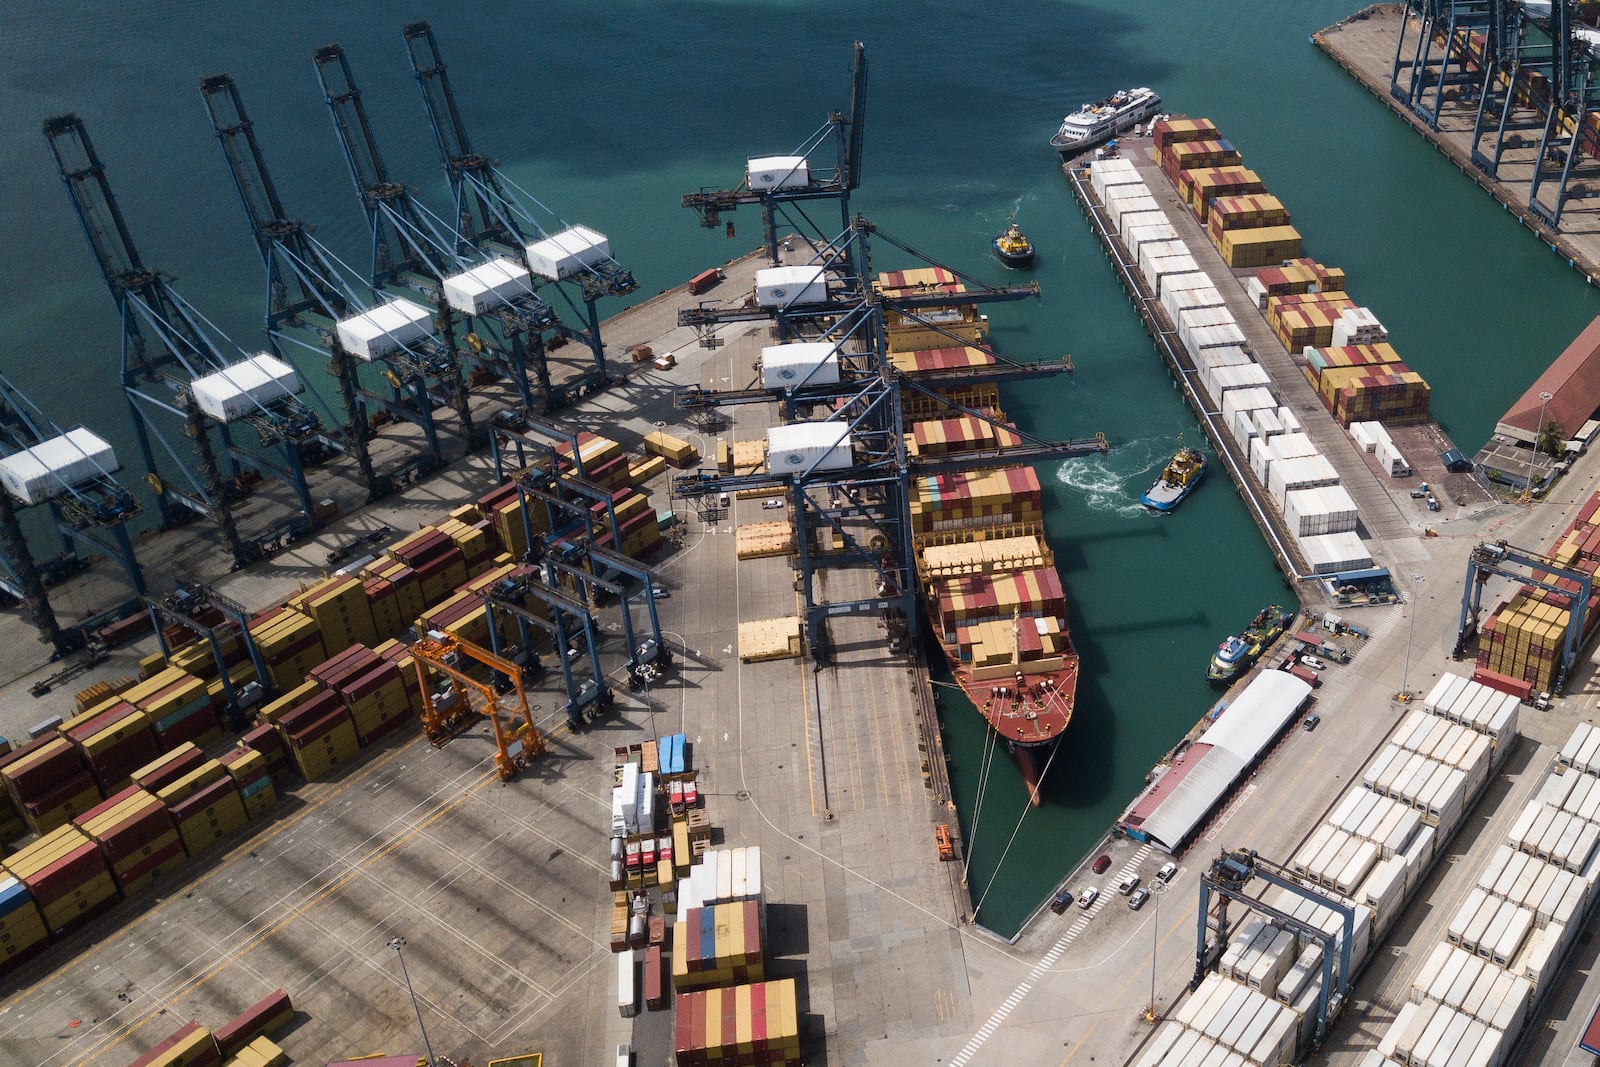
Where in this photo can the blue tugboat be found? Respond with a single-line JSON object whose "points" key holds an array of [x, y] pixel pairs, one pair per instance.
{"points": [[1178, 479]]}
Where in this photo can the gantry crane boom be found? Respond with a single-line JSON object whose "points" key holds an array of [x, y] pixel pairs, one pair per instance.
{"points": [[179, 351], [298, 278], [404, 250], [491, 216]]}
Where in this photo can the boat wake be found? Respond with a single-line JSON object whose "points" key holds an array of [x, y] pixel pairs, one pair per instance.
{"points": [[1112, 482]]}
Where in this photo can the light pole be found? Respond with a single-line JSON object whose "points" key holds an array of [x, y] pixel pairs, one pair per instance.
{"points": [[1538, 435], [1157, 890], [1411, 625], [399, 943]]}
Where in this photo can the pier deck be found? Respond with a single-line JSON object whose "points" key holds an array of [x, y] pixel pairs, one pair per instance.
{"points": [[500, 889]]}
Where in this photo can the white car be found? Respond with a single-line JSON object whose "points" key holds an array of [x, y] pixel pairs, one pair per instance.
{"points": [[1166, 872], [1087, 898], [1314, 663], [771, 504]]}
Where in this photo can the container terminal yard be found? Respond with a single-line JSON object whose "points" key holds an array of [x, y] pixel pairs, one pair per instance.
{"points": [[1332, 886]]}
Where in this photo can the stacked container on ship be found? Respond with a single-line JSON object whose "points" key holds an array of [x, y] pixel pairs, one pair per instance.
{"points": [[995, 600]]}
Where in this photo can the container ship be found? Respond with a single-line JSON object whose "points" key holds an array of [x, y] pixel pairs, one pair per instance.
{"points": [[995, 602]]}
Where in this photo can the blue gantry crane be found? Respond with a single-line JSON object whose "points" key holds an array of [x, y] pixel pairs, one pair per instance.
{"points": [[408, 250], [1528, 569], [1528, 72], [70, 475], [156, 378], [310, 290], [1228, 877], [782, 185], [862, 504], [168, 342], [494, 216]]}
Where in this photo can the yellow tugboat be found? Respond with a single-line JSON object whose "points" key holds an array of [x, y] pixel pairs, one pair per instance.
{"points": [[1178, 479], [1013, 249]]}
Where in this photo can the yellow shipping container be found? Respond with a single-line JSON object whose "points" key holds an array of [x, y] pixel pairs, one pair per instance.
{"points": [[1259, 246]]}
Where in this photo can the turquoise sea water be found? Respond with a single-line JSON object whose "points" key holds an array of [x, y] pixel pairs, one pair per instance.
{"points": [[608, 113]]}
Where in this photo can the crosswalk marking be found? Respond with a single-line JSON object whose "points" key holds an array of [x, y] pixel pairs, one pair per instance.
{"points": [[1046, 961]]}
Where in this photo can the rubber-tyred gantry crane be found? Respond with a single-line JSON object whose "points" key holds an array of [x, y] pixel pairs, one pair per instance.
{"points": [[443, 653]]}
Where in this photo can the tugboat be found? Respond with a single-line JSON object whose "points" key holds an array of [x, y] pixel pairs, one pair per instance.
{"points": [[1178, 479], [1013, 249], [1238, 654]]}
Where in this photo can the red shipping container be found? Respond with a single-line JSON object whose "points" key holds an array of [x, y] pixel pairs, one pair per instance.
{"points": [[320, 727], [380, 674], [198, 802], [38, 766], [264, 1017], [66, 874], [60, 794], [165, 858], [112, 768], [264, 739], [758, 1014], [169, 769], [440, 561], [106, 805], [1518, 688], [312, 710], [132, 834], [654, 995], [191, 728], [341, 665]]}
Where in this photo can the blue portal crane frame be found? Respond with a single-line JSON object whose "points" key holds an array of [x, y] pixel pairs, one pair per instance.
{"points": [[1502, 559], [1227, 877]]}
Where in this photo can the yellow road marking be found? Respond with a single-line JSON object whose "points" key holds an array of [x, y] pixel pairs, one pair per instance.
{"points": [[356, 869]]}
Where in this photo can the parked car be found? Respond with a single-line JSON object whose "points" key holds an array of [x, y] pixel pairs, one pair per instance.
{"points": [[1128, 884], [1062, 901], [1166, 872], [659, 593], [771, 504], [1101, 864], [1432, 502], [1136, 901], [1087, 898], [1314, 663], [1310, 722]]}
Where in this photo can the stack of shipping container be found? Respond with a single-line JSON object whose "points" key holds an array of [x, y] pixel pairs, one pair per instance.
{"points": [[66, 876], [136, 836], [740, 1026], [1523, 639], [48, 783], [1367, 856], [137, 741], [1506, 939]]}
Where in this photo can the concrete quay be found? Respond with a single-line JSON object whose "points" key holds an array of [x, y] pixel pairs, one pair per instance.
{"points": [[500, 889]]}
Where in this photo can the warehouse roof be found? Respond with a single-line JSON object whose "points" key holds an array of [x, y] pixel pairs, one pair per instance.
{"points": [[1573, 382], [1177, 805]]}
